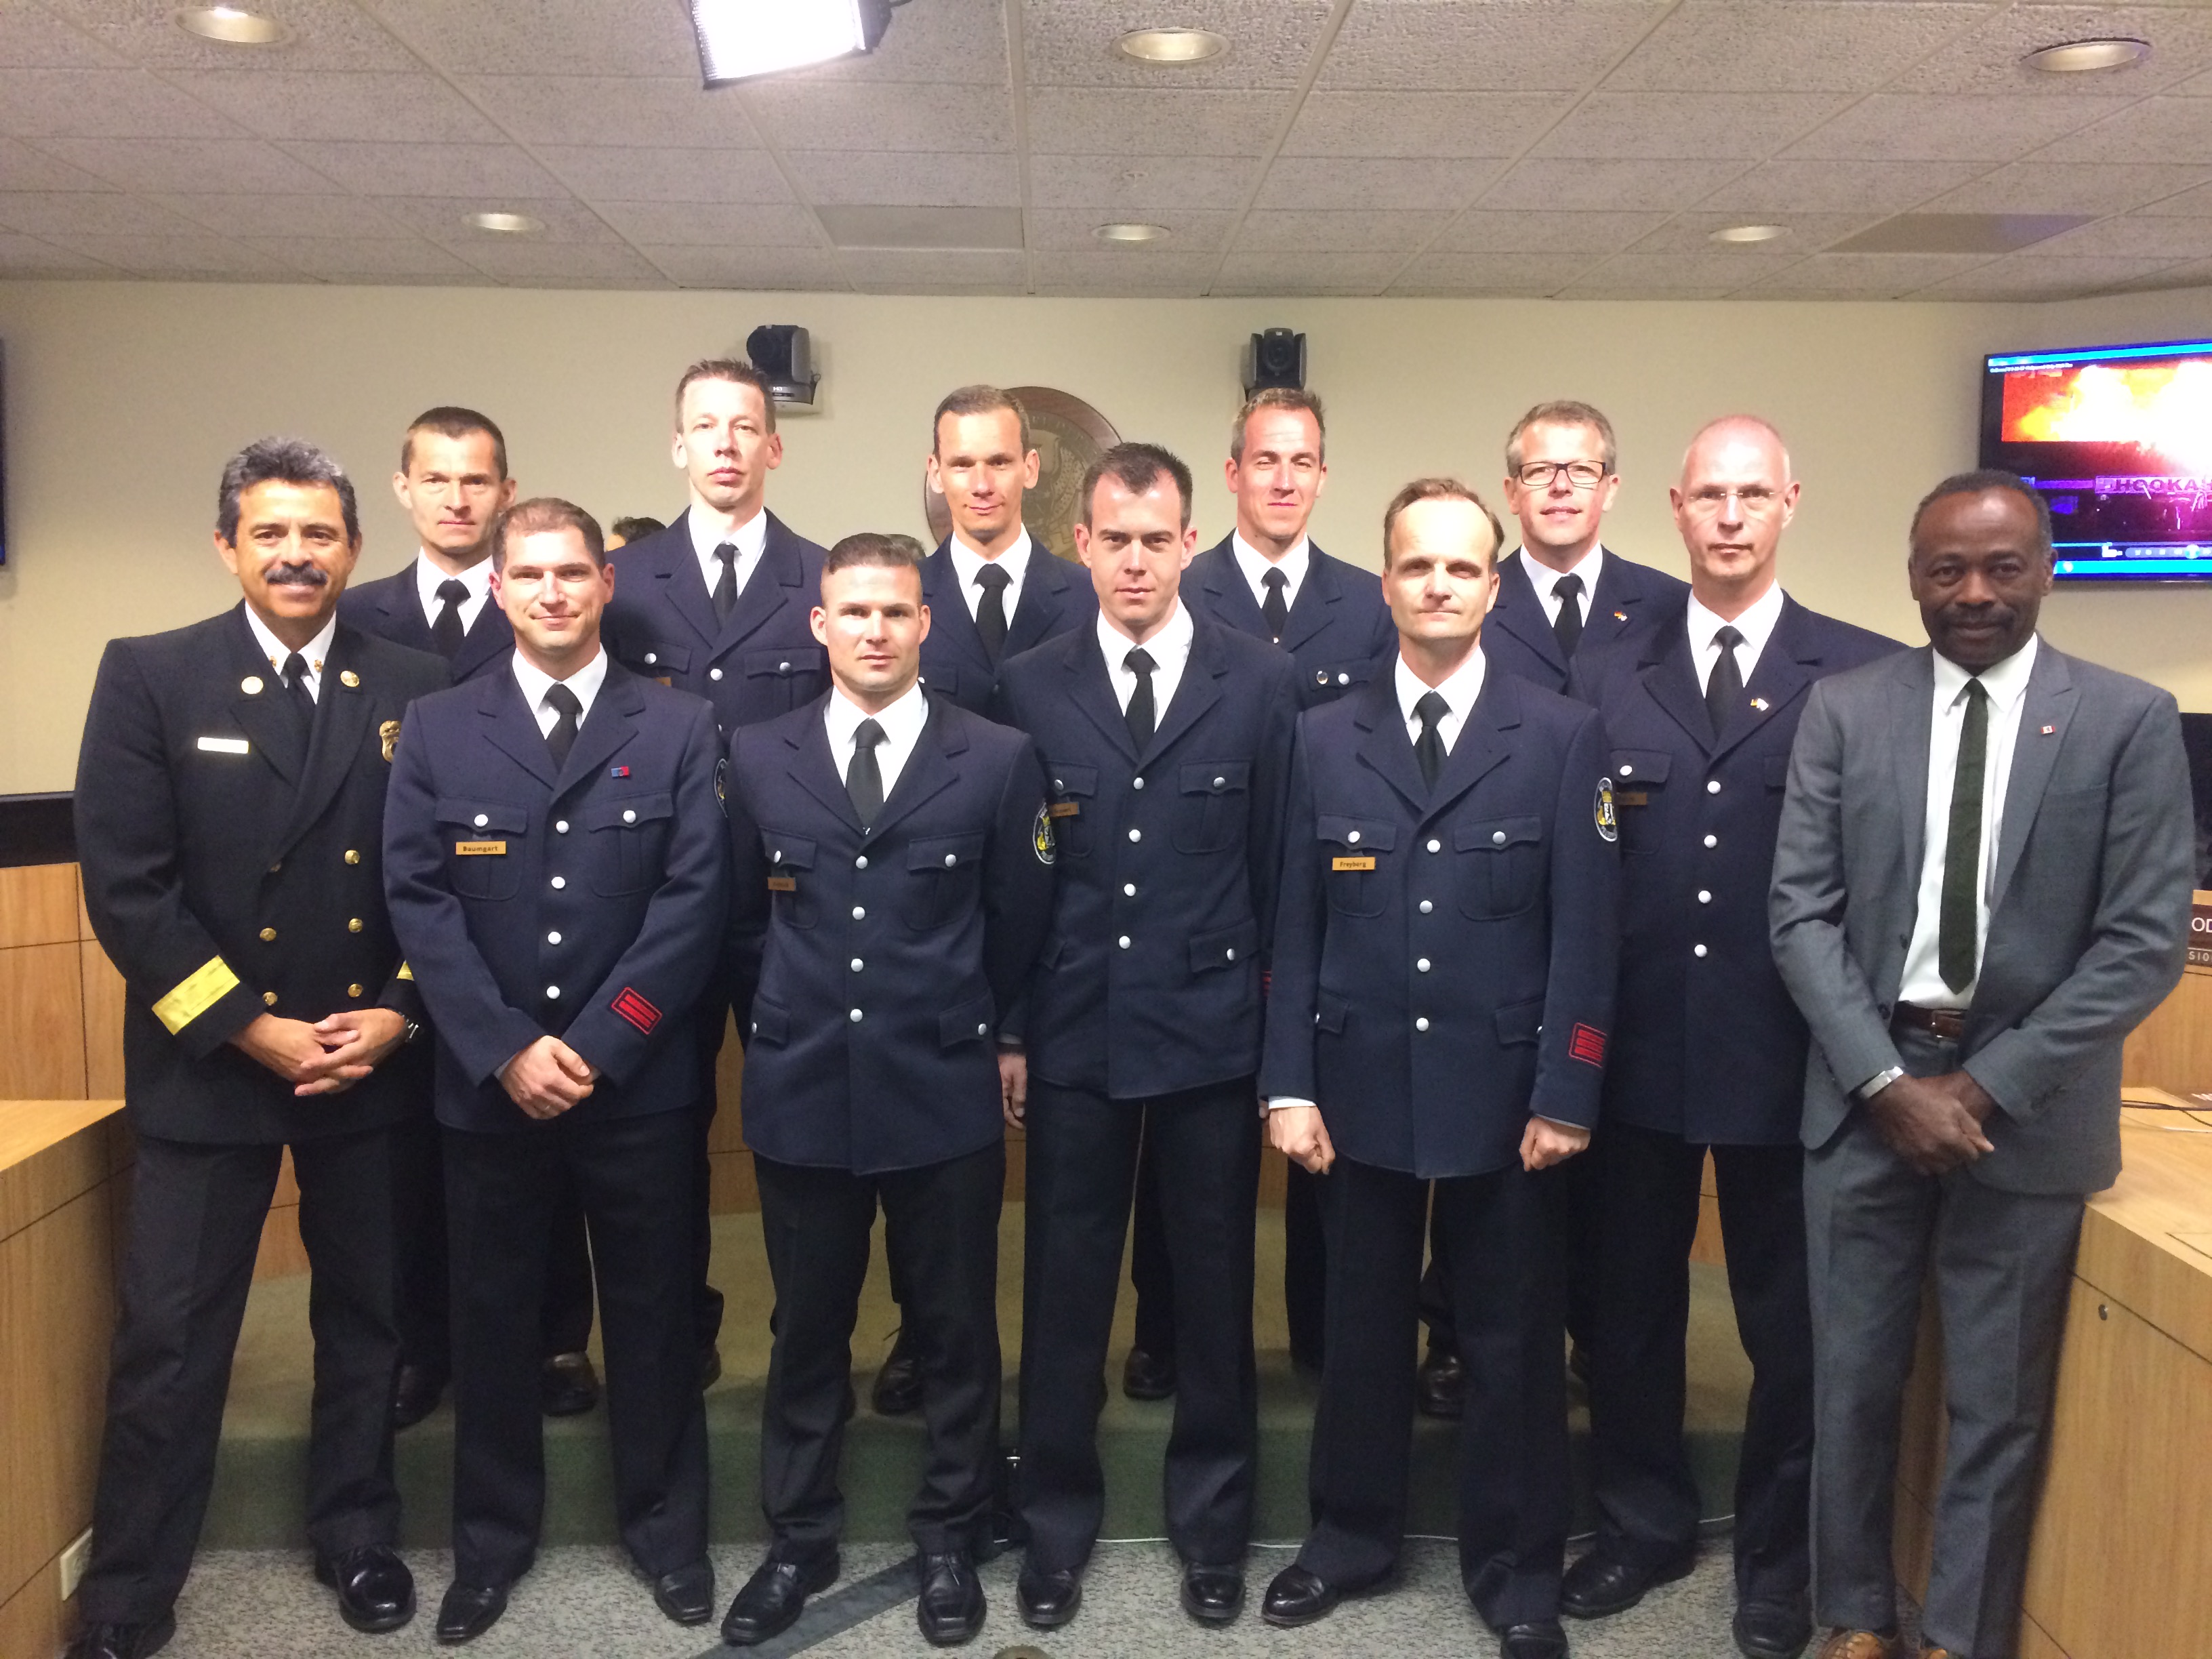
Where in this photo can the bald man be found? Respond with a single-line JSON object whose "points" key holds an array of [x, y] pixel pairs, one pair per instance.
{"points": [[1709, 1051]]}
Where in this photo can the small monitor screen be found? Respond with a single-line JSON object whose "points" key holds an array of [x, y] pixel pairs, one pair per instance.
{"points": [[2119, 440]]}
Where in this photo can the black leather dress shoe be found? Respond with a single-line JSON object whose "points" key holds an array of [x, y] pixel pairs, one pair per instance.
{"points": [[122, 1641], [469, 1610], [1147, 1375], [1773, 1627], [687, 1595], [1602, 1584], [416, 1391], [1298, 1597], [1212, 1595], [774, 1597], [376, 1593], [1440, 1390], [1047, 1600], [897, 1392], [568, 1386], [1540, 1638], [951, 1610]]}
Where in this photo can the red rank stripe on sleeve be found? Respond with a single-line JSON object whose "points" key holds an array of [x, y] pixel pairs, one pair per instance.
{"points": [[1586, 1044], [637, 1011]]}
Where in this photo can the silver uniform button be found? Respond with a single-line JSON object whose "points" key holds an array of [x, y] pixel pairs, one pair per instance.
{"points": [[855, 1016], [1219, 782], [860, 913], [1136, 834], [553, 938], [1712, 840], [562, 828], [629, 816], [1123, 941], [482, 820], [1352, 840], [652, 657], [861, 862], [1436, 847], [785, 668], [1697, 950], [1498, 838], [1344, 679], [983, 1030], [1712, 786], [951, 858], [856, 965], [1136, 783], [713, 673], [1626, 769], [1426, 906], [776, 857], [559, 882], [1704, 897], [1128, 889], [1232, 953], [1422, 1024], [1422, 964], [552, 993]]}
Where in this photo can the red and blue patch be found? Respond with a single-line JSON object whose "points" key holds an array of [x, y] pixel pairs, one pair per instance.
{"points": [[617, 771]]}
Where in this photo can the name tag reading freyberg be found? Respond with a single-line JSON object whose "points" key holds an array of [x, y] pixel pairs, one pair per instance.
{"points": [[480, 849], [783, 884], [224, 745], [1065, 809], [1364, 861]]}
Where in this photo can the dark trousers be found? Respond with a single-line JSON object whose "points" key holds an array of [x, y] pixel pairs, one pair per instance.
{"points": [[1152, 1274], [706, 1300], [422, 1305], [630, 1173], [1082, 1170], [195, 1218], [1500, 1234], [1579, 1214], [1648, 1184], [1305, 1263], [941, 1222]]}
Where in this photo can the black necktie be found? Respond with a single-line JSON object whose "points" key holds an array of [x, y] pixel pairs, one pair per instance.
{"points": [[1724, 688], [1429, 747], [725, 585], [1567, 626], [568, 714], [1142, 717], [864, 778], [991, 613], [1272, 607], [1955, 928], [295, 691], [446, 632]]}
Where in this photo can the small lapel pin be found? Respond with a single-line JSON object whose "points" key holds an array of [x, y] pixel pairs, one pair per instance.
{"points": [[348, 677], [617, 771], [251, 685], [1621, 615], [1759, 703], [2048, 730]]}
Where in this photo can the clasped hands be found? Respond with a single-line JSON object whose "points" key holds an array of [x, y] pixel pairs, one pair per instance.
{"points": [[1934, 1124], [1299, 1133], [548, 1078], [328, 1056]]}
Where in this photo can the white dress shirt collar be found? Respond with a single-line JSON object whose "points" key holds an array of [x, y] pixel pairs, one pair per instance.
{"points": [[749, 539], [2005, 682], [902, 721], [1459, 692], [1169, 649], [1544, 578], [1756, 625], [536, 683], [1255, 565], [1015, 561], [277, 652], [428, 578]]}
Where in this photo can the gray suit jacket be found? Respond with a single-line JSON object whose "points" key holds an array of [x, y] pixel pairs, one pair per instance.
{"points": [[2087, 922]]}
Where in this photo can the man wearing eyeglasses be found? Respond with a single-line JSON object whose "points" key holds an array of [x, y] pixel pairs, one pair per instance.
{"points": [[1709, 1051]]}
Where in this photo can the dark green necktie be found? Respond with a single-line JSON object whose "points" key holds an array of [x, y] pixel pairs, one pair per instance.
{"points": [[1955, 944]]}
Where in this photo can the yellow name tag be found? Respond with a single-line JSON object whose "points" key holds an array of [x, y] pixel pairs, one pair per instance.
{"points": [[1066, 809], [1632, 798], [478, 849], [783, 884], [1364, 862]]}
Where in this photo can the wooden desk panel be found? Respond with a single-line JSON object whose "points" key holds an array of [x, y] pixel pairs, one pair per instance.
{"points": [[38, 905]]}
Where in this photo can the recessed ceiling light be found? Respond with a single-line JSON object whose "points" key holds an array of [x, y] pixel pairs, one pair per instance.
{"points": [[1125, 231], [1739, 234], [231, 25], [2082, 56], [1171, 46], [509, 224]]}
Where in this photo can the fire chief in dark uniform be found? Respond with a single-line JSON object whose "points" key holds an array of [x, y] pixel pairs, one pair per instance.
{"points": [[1166, 740], [556, 862], [229, 796], [892, 868], [1709, 1051], [1444, 984]]}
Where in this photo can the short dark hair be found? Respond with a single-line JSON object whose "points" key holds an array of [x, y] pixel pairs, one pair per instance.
{"points": [[1439, 489], [543, 513], [630, 529], [735, 369], [1981, 482], [1562, 411], [980, 399], [452, 421], [1277, 397], [281, 460], [1137, 468], [871, 547]]}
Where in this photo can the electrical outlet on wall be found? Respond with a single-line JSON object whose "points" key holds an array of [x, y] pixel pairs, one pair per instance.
{"points": [[73, 1563]]}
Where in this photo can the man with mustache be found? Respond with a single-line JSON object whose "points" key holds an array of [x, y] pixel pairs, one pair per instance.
{"points": [[229, 798]]}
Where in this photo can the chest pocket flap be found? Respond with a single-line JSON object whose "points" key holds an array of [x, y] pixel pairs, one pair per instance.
{"points": [[1638, 766], [1372, 835], [1068, 779], [782, 661], [944, 851], [787, 852], [1216, 777], [486, 818], [629, 811], [1495, 834], [668, 658]]}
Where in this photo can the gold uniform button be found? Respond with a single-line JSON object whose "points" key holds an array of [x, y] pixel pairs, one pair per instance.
{"points": [[352, 857], [275, 867], [269, 936], [354, 925], [269, 998], [353, 990]]}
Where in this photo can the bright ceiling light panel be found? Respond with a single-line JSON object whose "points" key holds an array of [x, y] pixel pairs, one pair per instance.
{"points": [[2086, 57], [739, 39], [1172, 45]]}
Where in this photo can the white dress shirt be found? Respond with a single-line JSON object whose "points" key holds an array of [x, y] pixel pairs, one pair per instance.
{"points": [[1255, 565], [536, 683], [1545, 579], [277, 650], [966, 562], [2007, 685], [1459, 693], [428, 579], [1169, 649], [902, 723], [1756, 625], [749, 539]]}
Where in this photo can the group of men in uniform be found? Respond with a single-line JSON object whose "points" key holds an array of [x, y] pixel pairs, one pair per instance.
{"points": [[1464, 880]]}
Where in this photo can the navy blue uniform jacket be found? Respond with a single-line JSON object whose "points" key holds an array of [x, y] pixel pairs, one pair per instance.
{"points": [[1338, 631], [1150, 978], [231, 869], [587, 904], [761, 662], [1445, 960], [1707, 1043], [1631, 600], [872, 963], [1057, 598], [391, 607]]}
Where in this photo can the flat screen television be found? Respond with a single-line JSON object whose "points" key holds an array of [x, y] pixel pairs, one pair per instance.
{"points": [[2119, 440]]}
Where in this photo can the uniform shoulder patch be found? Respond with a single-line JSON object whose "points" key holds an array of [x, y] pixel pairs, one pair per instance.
{"points": [[636, 1010], [1041, 839], [1586, 1044], [1608, 827]]}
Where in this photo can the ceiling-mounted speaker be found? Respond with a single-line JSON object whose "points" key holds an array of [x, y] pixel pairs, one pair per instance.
{"points": [[785, 353], [1276, 357]]}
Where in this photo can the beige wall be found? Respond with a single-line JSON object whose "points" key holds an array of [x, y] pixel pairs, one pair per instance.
{"points": [[123, 401]]}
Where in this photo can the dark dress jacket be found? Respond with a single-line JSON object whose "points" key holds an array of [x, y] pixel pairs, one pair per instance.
{"points": [[1707, 1043], [232, 867], [1338, 631], [1057, 598], [391, 607], [873, 964], [1630, 600]]}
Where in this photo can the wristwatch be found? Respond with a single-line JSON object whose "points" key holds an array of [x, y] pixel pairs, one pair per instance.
{"points": [[1874, 1084]]}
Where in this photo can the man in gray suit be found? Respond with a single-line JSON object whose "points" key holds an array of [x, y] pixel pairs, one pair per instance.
{"points": [[1982, 885]]}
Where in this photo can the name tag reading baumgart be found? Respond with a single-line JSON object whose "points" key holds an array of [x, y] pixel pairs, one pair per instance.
{"points": [[479, 849]]}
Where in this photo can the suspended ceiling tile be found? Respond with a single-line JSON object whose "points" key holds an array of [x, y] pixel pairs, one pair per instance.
{"points": [[445, 220], [490, 171], [2190, 203], [2136, 236], [588, 265], [1762, 46], [1189, 232], [2037, 275], [1560, 184], [251, 214], [600, 38], [1421, 124], [918, 179], [1725, 270], [1863, 276], [2158, 129], [32, 37], [191, 256], [325, 34], [1687, 126], [1803, 233], [812, 268], [615, 110], [22, 167], [1085, 121], [1803, 186], [102, 104], [89, 213], [1488, 230], [1126, 186], [311, 104], [614, 172], [1472, 45], [1070, 43], [676, 224], [1138, 272], [1327, 181], [827, 115], [1302, 231], [1987, 57], [187, 164], [910, 271], [1895, 127], [940, 42], [1253, 271], [25, 256], [2041, 186], [366, 258]]}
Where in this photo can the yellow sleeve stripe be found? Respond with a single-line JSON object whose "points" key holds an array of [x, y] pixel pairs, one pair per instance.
{"points": [[405, 972], [207, 985]]}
